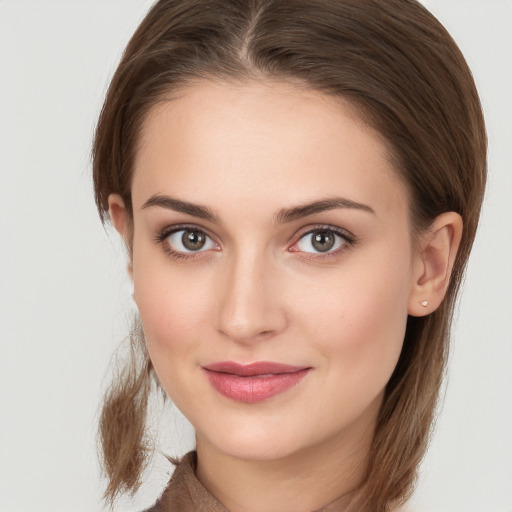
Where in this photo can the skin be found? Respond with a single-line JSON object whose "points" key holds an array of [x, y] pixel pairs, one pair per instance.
{"points": [[260, 291]]}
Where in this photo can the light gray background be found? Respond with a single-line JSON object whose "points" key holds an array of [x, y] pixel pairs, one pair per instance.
{"points": [[64, 299]]}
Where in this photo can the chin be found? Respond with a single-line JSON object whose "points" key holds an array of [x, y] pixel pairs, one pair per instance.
{"points": [[254, 444], [258, 452]]}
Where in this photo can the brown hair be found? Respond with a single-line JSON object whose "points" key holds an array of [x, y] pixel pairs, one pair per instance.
{"points": [[398, 65]]}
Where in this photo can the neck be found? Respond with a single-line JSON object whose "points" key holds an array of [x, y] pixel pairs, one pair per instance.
{"points": [[328, 471]]}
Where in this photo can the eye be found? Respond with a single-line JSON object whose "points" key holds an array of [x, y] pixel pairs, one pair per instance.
{"points": [[189, 240], [323, 240]]}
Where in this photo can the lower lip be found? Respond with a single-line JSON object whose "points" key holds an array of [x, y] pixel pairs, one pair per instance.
{"points": [[254, 388]]}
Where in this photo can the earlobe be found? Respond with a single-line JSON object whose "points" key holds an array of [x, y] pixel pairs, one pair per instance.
{"points": [[437, 250]]}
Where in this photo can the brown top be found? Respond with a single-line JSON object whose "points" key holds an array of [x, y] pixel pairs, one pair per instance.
{"points": [[185, 493]]}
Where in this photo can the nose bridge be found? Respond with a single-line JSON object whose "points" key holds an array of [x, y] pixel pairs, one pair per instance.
{"points": [[249, 307]]}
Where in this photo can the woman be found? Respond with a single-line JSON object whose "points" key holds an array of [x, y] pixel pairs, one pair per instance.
{"points": [[298, 184]]}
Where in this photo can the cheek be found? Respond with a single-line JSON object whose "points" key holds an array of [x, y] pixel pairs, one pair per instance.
{"points": [[171, 316], [166, 308], [173, 308], [358, 318]]}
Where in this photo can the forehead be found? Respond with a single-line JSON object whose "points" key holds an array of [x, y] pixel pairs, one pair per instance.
{"points": [[247, 142]]}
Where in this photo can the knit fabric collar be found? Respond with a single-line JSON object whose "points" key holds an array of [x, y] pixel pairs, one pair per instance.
{"points": [[185, 493]]}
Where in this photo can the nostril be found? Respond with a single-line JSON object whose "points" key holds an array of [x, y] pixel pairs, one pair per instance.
{"points": [[246, 336]]}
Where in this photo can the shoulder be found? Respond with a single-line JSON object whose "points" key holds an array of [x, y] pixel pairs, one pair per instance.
{"points": [[155, 508], [184, 493], [158, 506]]}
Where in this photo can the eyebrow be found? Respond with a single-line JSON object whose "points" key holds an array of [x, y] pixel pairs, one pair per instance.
{"points": [[290, 214], [196, 210], [283, 216]]}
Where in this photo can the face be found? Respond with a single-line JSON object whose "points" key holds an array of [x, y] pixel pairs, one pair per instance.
{"points": [[272, 265]]}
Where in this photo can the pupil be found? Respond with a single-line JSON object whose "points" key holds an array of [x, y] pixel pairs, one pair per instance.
{"points": [[193, 240], [323, 241]]}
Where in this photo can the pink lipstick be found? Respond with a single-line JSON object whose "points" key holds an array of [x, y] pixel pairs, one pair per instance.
{"points": [[254, 382]]}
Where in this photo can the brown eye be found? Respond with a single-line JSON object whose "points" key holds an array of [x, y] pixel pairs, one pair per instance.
{"points": [[193, 240], [323, 241], [188, 240]]}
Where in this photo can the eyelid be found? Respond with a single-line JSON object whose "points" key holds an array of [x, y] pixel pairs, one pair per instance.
{"points": [[174, 228], [167, 231], [348, 237]]}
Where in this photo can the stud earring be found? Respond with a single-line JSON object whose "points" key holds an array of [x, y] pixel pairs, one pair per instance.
{"points": [[424, 303]]}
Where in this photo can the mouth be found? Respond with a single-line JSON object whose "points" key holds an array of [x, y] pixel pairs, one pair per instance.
{"points": [[254, 382]]}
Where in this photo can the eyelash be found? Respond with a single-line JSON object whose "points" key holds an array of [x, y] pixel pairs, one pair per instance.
{"points": [[348, 240], [179, 255]]}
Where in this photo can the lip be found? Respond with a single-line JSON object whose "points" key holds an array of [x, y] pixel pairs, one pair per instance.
{"points": [[253, 382]]}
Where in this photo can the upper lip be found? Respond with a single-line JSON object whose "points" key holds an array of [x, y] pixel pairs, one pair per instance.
{"points": [[250, 370]]}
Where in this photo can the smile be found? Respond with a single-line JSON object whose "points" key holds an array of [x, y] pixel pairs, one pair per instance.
{"points": [[254, 382]]}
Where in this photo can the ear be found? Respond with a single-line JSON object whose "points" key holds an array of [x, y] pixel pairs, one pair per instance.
{"points": [[123, 223], [433, 264]]}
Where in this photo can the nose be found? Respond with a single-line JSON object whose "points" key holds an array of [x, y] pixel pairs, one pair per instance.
{"points": [[250, 305]]}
